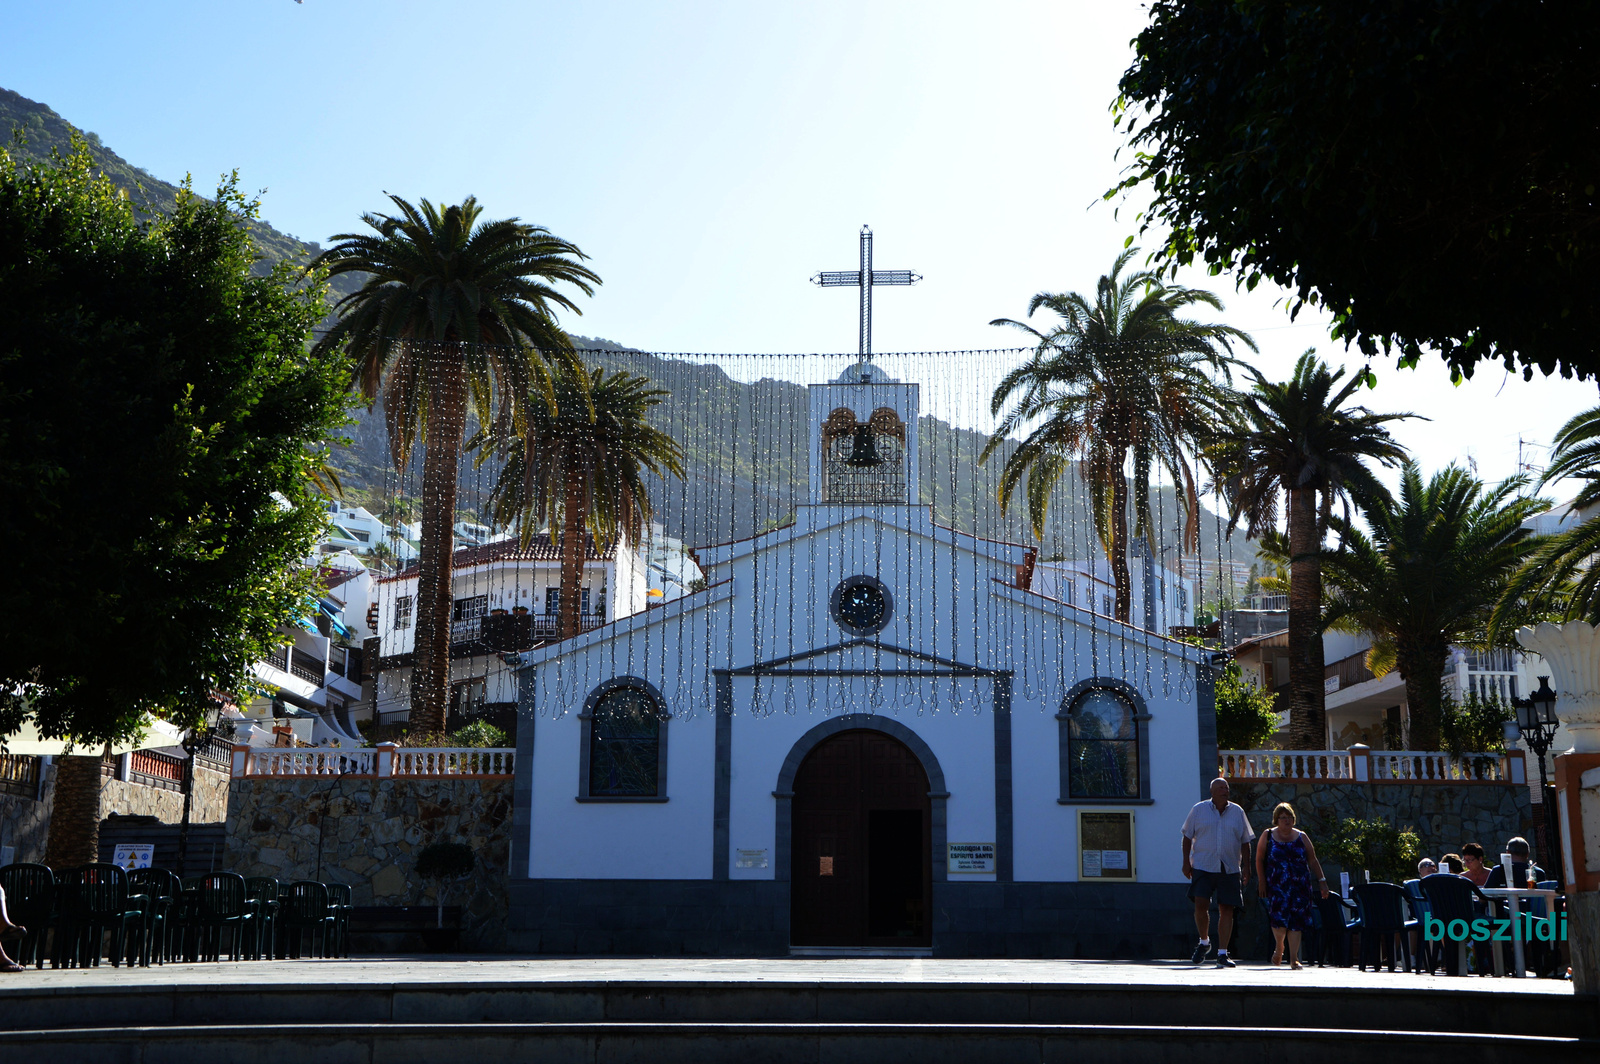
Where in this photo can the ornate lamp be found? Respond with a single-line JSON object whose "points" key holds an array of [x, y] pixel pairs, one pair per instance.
{"points": [[195, 739], [1536, 725]]}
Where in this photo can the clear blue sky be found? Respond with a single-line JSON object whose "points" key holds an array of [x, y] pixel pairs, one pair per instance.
{"points": [[708, 157]]}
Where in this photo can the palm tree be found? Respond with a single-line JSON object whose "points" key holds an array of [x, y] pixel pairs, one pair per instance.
{"points": [[1122, 374], [579, 465], [1561, 578], [454, 315], [1428, 577], [1299, 438]]}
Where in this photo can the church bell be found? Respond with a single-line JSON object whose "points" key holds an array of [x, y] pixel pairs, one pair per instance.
{"points": [[863, 449]]}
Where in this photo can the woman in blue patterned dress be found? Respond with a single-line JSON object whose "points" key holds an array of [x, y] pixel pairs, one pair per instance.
{"points": [[1286, 867]]}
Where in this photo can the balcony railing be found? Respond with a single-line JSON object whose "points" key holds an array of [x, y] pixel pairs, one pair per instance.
{"points": [[156, 769], [512, 632], [1349, 671], [297, 664], [384, 761], [1361, 765], [19, 775]]}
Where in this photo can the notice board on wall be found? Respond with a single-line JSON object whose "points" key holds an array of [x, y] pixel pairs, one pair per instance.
{"points": [[1105, 845]]}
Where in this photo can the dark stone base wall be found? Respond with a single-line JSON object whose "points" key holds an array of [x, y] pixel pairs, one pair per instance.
{"points": [[751, 918], [1125, 921]]}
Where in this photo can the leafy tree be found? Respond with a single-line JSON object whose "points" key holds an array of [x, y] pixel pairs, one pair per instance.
{"points": [[1425, 169], [1428, 577], [1246, 718], [160, 434], [1299, 439], [1474, 725], [1122, 376], [579, 466], [456, 316], [1378, 846], [162, 426], [480, 734]]}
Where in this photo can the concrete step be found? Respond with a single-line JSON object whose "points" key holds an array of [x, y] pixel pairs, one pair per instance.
{"points": [[1436, 1005], [774, 1043]]}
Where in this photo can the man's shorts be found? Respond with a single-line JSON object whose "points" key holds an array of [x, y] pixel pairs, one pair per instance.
{"points": [[1224, 886]]}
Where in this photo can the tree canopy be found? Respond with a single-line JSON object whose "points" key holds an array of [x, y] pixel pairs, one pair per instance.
{"points": [[1424, 169], [160, 427]]}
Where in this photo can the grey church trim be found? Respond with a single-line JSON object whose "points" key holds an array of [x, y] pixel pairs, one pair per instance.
{"points": [[722, 799], [585, 735], [949, 666], [1205, 700], [1141, 717], [522, 784], [1003, 813], [784, 791]]}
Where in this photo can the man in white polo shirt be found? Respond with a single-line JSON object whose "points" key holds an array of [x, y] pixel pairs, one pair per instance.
{"points": [[1216, 862]]}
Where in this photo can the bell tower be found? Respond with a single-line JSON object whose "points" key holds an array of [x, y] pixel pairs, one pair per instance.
{"points": [[863, 439]]}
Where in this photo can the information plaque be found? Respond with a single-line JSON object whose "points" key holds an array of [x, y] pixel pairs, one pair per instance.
{"points": [[1105, 845], [971, 858]]}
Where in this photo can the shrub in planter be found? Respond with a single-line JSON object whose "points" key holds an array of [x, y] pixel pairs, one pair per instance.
{"points": [[443, 863]]}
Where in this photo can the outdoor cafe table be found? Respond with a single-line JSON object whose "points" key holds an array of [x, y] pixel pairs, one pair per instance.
{"points": [[1514, 896]]}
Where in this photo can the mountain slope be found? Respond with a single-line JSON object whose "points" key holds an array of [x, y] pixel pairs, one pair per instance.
{"points": [[44, 131]]}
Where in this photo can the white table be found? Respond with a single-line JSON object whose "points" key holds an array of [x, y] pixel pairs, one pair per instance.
{"points": [[1514, 895]]}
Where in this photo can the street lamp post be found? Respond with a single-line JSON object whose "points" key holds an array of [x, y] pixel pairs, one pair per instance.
{"points": [[193, 740], [1536, 725]]}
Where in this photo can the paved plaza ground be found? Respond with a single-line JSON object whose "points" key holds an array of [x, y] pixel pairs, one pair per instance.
{"points": [[466, 970]]}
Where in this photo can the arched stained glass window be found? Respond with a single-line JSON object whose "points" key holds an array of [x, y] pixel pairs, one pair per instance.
{"points": [[625, 743], [1102, 746]]}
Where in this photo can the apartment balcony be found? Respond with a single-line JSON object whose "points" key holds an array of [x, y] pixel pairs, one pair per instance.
{"points": [[508, 634]]}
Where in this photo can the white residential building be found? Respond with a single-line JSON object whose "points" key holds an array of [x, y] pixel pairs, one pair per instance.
{"points": [[1160, 600], [506, 600], [310, 688]]}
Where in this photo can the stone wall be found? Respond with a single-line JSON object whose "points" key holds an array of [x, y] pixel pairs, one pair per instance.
{"points": [[25, 823], [367, 832], [209, 804], [1446, 816]]}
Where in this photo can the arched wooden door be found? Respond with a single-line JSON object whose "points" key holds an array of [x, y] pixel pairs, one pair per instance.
{"points": [[861, 855]]}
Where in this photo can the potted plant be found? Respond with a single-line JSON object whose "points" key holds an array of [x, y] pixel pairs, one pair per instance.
{"points": [[520, 611], [443, 862], [498, 611]]}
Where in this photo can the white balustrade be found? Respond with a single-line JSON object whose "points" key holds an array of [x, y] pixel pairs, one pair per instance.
{"points": [[1359, 765], [454, 761], [304, 761], [386, 760], [1415, 766], [1285, 764]]}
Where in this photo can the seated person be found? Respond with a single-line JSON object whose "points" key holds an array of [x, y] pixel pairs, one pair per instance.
{"points": [[1426, 868], [1521, 858], [1451, 864], [1476, 870]]}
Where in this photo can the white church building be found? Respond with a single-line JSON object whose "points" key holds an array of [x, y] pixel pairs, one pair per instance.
{"points": [[866, 733]]}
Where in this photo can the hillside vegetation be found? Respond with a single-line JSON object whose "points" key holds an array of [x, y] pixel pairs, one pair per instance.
{"points": [[44, 131]]}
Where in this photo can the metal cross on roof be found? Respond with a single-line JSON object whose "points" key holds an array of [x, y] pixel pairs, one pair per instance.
{"points": [[866, 279]]}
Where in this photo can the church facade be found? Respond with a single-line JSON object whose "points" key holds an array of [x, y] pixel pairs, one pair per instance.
{"points": [[867, 733]]}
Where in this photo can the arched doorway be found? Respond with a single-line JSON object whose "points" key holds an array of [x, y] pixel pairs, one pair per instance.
{"points": [[861, 853]]}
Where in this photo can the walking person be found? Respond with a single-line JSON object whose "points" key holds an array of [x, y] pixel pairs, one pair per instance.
{"points": [[1286, 869], [1216, 862]]}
